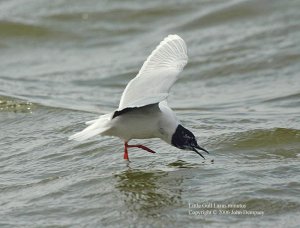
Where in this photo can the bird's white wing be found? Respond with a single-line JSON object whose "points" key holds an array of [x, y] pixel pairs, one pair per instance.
{"points": [[157, 75]]}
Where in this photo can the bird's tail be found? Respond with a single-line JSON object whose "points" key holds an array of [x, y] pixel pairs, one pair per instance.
{"points": [[95, 127]]}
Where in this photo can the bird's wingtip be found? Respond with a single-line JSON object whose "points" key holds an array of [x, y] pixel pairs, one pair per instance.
{"points": [[173, 37]]}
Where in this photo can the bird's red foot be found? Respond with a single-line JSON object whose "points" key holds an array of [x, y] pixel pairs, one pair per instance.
{"points": [[138, 146], [142, 147], [126, 155], [126, 152]]}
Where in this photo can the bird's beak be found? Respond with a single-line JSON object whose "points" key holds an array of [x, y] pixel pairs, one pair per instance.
{"points": [[200, 148]]}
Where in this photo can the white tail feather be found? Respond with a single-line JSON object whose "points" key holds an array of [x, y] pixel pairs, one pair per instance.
{"points": [[90, 122], [96, 127]]}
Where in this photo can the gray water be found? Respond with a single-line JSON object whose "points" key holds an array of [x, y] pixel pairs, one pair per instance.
{"points": [[65, 62]]}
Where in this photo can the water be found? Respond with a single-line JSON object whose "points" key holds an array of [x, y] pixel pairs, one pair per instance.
{"points": [[62, 64]]}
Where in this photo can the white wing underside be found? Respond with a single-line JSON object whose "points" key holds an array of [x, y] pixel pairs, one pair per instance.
{"points": [[157, 75]]}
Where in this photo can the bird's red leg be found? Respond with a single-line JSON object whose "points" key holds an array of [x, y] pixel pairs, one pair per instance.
{"points": [[126, 151], [142, 147]]}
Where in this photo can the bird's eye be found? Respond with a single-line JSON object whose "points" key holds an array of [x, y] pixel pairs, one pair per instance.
{"points": [[193, 141]]}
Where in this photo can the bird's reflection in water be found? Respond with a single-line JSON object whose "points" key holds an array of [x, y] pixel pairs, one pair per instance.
{"points": [[149, 193]]}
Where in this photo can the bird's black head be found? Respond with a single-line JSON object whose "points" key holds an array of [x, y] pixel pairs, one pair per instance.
{"points": [[185, 140]]}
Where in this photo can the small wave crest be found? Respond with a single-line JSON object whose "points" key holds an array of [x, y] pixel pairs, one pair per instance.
{"points": [[279, 142], [8, 104]]}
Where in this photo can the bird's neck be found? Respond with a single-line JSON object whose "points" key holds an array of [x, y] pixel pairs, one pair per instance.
{"points": [[167, 129]]}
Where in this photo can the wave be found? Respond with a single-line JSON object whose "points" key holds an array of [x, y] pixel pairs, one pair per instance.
{"points": [[11, 103], [263, 143], [8, 104], [15, 29], [11, 29], [292, 99]]}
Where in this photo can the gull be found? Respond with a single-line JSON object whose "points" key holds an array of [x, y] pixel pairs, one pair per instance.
{"points": [[143, 111]]}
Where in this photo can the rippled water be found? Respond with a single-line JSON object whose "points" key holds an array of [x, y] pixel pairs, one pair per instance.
{"points": [[64, 63]]}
